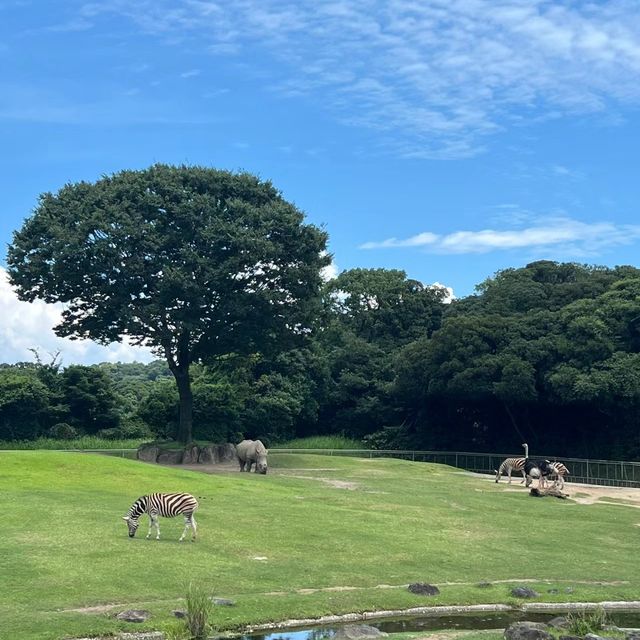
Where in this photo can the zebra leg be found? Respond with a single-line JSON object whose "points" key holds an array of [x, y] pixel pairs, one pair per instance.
{"points": [[194, 529], [150, 526], [187, 525], [524, 477], [509, 474]]}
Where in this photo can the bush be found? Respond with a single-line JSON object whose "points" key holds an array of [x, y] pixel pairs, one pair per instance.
{"points": [[63, 431], [199, 607], [583, 622]]}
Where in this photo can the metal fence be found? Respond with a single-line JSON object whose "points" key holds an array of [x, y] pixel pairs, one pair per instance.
{"points": [[605, 472]]}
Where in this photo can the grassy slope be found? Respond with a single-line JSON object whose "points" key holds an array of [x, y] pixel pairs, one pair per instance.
{"points": [[63, 544]]}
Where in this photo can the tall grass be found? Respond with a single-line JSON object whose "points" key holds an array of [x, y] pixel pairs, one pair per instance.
{"points": [[581, 623], [199, 607], [322, 442], [84, 442]]}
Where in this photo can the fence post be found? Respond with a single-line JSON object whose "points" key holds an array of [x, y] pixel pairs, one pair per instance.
{"points": [[587, 471]]}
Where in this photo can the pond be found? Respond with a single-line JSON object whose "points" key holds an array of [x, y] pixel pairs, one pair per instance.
{"points": [[476, 622]]}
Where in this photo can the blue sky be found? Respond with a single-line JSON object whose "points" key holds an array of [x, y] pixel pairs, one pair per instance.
{"points": [[446, 138]]}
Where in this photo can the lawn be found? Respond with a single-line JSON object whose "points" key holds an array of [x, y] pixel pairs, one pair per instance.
{"points": [[286, 544]]}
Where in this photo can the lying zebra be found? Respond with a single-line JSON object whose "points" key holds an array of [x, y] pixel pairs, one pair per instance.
{"points": [[167, 505]]}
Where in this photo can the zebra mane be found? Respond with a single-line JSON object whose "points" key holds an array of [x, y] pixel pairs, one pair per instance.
{"points": [[138, 507]]}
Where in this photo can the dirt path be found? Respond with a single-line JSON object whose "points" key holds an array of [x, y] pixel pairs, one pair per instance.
{"points": [[581, 493]]}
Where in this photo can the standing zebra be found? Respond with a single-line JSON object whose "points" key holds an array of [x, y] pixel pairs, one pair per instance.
{"points": [[510, 465], [167, 505], [558, 471]]}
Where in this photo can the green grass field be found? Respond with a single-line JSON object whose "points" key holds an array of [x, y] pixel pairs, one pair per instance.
{"points": [[286, 545]]}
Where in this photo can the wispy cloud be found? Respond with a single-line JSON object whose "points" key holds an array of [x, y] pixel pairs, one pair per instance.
{"points": [[192, 73], [434, 79], [565, 235]]}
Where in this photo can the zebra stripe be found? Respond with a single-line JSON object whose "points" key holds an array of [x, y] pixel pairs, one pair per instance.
{"points": [[167, 505], [558, 471], [510, 465]]}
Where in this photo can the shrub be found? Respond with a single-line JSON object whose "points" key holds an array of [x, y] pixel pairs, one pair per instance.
{"points": [[63, 431], [199, 607], [583, 622]]}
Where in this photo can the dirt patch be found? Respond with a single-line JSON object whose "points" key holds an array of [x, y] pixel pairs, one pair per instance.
{"points": [[585, 493], [336, 484]]}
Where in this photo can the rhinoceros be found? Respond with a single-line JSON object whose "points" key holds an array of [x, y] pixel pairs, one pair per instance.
{"points": [[250, 452]]}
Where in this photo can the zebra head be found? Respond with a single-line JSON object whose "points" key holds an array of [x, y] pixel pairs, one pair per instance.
{"points": [[132, 523]]}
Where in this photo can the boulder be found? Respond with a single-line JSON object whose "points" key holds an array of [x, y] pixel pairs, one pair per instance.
{"points": [[527, 631], [524, 592], [205, 456], [134, 615], [223, 602], [484, 584], [632, 635], [148, 452], [559, 622], [358, 632], [424, 589], [224, 452], [570, 638], [179, 613], [170, 456], [190, 454]]}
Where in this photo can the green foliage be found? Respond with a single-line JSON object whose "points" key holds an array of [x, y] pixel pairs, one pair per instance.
{"points": [[193, 261], [199, 608], [63, 431], [322, 442], [91, 443], [581, 623]]}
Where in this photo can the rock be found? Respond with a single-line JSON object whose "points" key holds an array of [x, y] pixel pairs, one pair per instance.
{"points": [[179, 613], [142, 635], [424, 589], [553, 591], [224, 453], [134, 615], [170, 456], [483, 584], [148, 452], [206, 454], [632, 635], [570, 638], [595, 636], [223, 602], [358, 631], [190, 454], [524, 592], [568, 590], [559, 622], [527, 631]]}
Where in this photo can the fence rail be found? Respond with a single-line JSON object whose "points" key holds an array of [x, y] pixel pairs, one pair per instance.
{"points": [[604, 472]]}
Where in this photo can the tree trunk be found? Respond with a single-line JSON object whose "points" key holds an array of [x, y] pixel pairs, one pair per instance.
{"points": [[185, 425]]}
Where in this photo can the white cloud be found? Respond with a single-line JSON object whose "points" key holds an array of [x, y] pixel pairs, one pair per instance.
{"points": [[192, 73], [435, 78], [29, 325], [572, 237], [449, 295], [330, 272]]}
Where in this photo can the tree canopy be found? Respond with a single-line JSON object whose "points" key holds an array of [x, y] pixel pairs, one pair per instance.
{"points": [[191, 261]]}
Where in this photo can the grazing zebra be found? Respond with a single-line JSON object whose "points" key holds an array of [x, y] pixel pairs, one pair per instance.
{"points": [[510, 465], [558, 471], [167, 505]]}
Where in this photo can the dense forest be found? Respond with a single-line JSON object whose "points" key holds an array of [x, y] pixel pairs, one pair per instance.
{"points": [[548, 354]]}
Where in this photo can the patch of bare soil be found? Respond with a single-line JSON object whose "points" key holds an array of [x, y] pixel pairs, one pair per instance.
{"points": [[336, 484], [584, 493]]}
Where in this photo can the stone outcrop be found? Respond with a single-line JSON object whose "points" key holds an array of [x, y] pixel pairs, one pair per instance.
{"points": [[134, 615], [524, 592], [191, 454], [527, 631], [424, 589]]}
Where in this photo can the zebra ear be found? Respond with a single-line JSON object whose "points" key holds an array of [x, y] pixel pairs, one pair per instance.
{"points": [[125, 517]]}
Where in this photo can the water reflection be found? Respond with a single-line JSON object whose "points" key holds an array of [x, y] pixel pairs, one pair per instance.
{"points": [[435, 623]]}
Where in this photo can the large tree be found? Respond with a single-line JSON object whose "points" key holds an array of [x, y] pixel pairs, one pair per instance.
{"points": [[191, 261]]}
